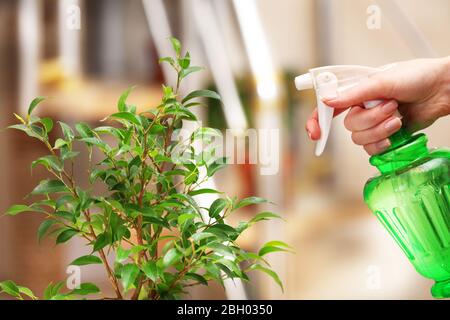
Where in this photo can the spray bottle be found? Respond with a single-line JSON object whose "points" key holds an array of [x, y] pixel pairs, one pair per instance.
{"points": [[411, 195]]}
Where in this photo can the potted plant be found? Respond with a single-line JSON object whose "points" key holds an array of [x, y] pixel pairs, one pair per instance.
{"points": [[162, 239]]}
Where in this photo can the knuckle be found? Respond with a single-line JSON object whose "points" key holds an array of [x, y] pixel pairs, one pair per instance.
{"points": [[372, 117], [380, 133], [356, 138], [348, 122], [369, 149]]}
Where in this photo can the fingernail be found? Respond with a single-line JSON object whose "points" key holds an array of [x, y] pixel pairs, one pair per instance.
{"points": [[393, 124], [383, 144], [389, 107]]}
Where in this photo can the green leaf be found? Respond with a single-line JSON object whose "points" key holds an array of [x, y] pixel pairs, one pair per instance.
{"points": [[251, 256], [269, 272], [136, 249], [85, 289], [69, 155], [20, 127], [268, 249], [102, 241], [222, 229], [84, 130], [200, 236], [67, 131], [176, 45], [216, 207], [169, 60], [9, 287], [216, 166], [49, 162], [121, 104], [185, 62], [18, 208], [53, 290], [32, 131], [171, 257], [187, 71], [220, 249], [66, 235], [65, 215], [43, 228], [265, 216], [128, 116], [201, 93], [96, 142], [157, 221], [202, 191], [49, 186], [128, 275], [192, 176], [230, 265], [157, 128], [34, 104], [46, 203], [213, 272], [184, 113], [249, 201], [59, 143], [48, 124], [193, 104], [205, 133], [273, 246], [151, 270], [122, 254], [194, 276], [278, 243], [27, 292], [85, 260], [185, 217]]}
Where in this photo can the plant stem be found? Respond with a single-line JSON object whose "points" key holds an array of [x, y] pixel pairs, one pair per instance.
{"points": [[111, 276]]}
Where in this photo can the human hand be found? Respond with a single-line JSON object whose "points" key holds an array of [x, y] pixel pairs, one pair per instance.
{"points": [[419, 89]]}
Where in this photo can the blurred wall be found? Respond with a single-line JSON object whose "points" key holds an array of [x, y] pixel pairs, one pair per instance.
{"points": [[290, 28], [7, 80]]}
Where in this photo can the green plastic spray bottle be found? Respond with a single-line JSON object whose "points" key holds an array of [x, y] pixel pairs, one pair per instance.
{"points": [[411, 195]]}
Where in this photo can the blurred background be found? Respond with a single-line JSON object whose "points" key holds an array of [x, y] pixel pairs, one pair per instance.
{"points": [[83, 54]]}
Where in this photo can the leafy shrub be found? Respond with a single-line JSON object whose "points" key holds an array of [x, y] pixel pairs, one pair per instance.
{"points": [[162, 239]]}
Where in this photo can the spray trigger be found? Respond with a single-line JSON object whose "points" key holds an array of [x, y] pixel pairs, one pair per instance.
{"points": [[328, 82]]}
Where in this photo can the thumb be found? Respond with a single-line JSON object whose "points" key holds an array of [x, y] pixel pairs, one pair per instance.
{"points": [[373, 88]]}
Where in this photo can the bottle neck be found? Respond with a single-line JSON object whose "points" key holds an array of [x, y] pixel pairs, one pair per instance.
{"points": [[404, 150], [399, 138]]}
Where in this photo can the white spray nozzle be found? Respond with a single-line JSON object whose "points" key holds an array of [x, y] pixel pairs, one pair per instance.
{"points": [[328, 82], [304, 82]]}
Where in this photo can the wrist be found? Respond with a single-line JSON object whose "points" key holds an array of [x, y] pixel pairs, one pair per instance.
{"points": [[445, 70], [445, 83]]}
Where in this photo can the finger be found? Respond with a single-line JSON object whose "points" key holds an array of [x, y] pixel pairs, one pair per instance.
{"points": [[374, 88], [359, 119], [377, 147], [312, 125], [377, 133], [313, 129]]}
